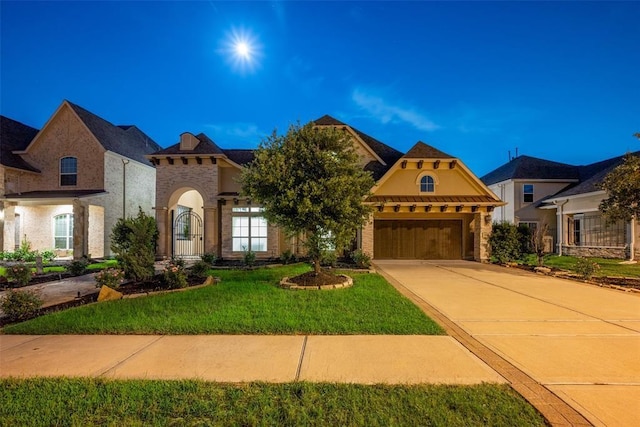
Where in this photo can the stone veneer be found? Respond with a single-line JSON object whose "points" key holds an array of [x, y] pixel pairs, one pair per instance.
{"points": [[595, 252]]}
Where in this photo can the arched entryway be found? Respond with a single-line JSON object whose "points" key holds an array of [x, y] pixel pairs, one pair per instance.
{"points": [[187, 227]]}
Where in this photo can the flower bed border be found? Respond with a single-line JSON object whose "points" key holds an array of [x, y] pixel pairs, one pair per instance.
{"points": [[347, 283]]}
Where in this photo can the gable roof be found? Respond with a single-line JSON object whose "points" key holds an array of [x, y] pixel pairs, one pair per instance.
{"points": [[128, 141], [526, 167], [205, 146], [240, 156], [424, 151], [388, 154], [15, 136], [591, 176]]}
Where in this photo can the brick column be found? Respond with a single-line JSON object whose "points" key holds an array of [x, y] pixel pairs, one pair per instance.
{"points": [[210, 221], [164, 232], [367, 237], [80, 229], [481, 233], [7, 226]]}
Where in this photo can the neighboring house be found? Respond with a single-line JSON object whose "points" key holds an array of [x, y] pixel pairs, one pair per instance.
{"points": [[427, 204], [565, 197], [65, 186]]}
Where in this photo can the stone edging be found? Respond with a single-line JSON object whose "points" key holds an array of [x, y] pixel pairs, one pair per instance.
{"points": [[347, 283]]}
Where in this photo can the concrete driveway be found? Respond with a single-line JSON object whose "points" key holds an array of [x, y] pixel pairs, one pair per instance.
{"points": [[579, 341]]}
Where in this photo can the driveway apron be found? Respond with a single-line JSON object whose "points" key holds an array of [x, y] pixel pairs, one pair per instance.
{"points": [[579, 341]]}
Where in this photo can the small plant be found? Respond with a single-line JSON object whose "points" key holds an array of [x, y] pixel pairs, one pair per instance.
{"points": [[111, 277], [47, 255], [287, 257], [210, 258], [200, 269], [174, 275], [586, 268], [20, 274], [77, 267], [249, 257], [329, 259], [20, 305], [361, 259]]}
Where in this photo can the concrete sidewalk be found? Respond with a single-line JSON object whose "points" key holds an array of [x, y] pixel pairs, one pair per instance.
{"points": [[366, 359]]}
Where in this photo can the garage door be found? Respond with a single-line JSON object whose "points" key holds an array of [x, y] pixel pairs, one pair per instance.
{"points": [[417, 239]]}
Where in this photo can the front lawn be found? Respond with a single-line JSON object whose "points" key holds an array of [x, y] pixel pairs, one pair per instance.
{"points": [[83, 402], [247, 302], [608, 267]]}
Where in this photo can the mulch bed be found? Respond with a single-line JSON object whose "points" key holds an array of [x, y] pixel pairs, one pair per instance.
{"points": [[155, 284], [622, 282], [313, 279]]}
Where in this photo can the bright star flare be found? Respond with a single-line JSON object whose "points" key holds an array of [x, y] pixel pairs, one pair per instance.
{"points": [[242, 51]]}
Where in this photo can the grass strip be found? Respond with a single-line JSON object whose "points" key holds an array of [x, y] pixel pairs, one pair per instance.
{"points": [[88, 402], [247, 302]]}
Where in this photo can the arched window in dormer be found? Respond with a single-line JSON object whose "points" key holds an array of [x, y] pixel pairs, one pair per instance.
{"points": [[427, 184], [68, 171]]}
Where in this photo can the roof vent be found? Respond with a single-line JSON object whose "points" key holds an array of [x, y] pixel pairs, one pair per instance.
{"points": [[188, 141]]}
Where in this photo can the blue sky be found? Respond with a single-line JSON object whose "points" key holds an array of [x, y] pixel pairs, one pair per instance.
{"points": [[558, 80]]}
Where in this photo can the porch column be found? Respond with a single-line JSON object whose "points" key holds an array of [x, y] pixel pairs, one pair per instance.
{"points": [[80, 229], [209, 224], [164, 235], [481, 233], [367, 237], [7, 226]]}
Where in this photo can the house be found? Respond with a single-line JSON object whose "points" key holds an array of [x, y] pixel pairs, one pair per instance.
{"points": [[427, 204], [566, 198], [65, 186]]}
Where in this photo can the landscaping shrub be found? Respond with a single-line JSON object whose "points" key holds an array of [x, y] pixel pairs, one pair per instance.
{"points": [[504, 242], [329, 259], [174, 275], [249, 258], [287, 257], [20, 304], [77, 267], [210, 258], [524, 237], [20, 274], [361, 259], [111, 277], [200, 269], [134, 242], [586, 268]]}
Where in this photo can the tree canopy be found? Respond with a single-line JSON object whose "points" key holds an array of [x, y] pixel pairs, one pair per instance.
{"points": [[310, 182], [622, 185]]}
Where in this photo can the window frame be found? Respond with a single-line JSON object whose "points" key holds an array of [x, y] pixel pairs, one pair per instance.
{"points": [[64, 174], [68, 232], [525, 193], [255, 222]]}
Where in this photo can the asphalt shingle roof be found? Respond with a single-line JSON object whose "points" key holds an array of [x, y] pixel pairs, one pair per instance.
{"points": [[15, 136], [425, 151], [128, 141], [206, 146], [526, 167]]}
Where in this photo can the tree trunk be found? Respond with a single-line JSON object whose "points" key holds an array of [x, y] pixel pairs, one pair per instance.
{"points": [[316, 266]]}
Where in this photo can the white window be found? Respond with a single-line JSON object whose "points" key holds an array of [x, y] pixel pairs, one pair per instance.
{"points": [[427, 184], [527, 191], [248, 232], [68, 171], [533, 225], [63, 231]]}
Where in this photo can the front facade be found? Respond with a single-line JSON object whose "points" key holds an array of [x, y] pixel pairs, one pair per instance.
{"points": [[427, 204], [66, 185]]}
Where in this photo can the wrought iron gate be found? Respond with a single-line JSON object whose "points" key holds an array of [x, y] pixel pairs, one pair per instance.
{"points": [[187, 235]]}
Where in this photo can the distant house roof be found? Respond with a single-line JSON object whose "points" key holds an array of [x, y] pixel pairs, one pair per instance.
{"points": [[206, 146], [128, 141], [15, 136], [425, 151], [526, 167], [388, 154], [591, 176]]}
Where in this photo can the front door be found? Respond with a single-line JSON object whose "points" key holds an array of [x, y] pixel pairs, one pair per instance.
{"points": [[187, 235]]}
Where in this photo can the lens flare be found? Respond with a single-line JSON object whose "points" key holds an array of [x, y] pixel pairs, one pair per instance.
{"points": [[242, 51]]}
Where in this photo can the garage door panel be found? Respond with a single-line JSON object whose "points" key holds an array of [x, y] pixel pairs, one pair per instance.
{"points": [[418, 239]]}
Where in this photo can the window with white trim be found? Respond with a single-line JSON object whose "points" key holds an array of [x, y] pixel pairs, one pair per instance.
{"points": [[63, 231], [527, 191], [427, 184], [248, 230], [68, 171]]}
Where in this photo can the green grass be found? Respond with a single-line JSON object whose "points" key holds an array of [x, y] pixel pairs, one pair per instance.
{"points": [[87, 402], [61, 269], [247, 302], [608, 267]]}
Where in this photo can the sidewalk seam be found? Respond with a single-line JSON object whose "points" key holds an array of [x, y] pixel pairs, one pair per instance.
{"points": [[304, 347], [130, 356]]}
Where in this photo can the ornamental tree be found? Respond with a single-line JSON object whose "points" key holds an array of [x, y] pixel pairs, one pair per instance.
{"points": [[310, 183], [622, 185]]}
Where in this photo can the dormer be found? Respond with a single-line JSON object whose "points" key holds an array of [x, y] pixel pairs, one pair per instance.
{"points": [[188, 141]]}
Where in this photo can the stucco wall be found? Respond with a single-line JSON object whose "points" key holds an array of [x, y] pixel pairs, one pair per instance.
{"points": [[449, 182], [227, 179]]}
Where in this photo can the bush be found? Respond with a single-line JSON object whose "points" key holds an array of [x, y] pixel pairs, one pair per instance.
{"points": [[174, 276], [586, 268], [47, 255], [504, 242], [210, 258], [200, 269], [20, 305], [524, 237], [287, 257], [77, 267], [249, 258], [111, 277], [361, 259], [134, 242], [20, 274], [329, 259]]}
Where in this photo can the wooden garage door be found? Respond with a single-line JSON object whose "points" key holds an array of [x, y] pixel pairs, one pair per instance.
{"points": [[417, 239]]}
